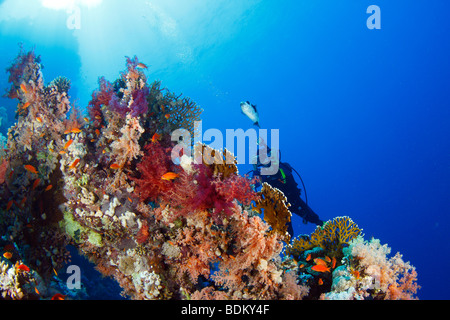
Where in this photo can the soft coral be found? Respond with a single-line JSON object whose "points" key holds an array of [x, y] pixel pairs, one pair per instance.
{"points": [[100, 97], [155, 163]]}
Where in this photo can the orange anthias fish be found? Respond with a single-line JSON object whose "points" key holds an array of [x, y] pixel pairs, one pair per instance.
{"points": [[320, 268], [308, 257], [30, 168], [39, 119], [36, 183], [327, 259], [320, 281], [74, 164], [156, 137], [24, 88], [68, 144], [23, 267], [320, 261], [58, 296], [141, 65], [76, 130], [48, 187], [7, 255], [26, 105], [333, 263], [115, 166], [169, 176], [9, 204], [167, 116]]}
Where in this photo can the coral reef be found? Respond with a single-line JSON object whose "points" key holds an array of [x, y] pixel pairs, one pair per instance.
{"points": [[275, 207], [107, 185]]}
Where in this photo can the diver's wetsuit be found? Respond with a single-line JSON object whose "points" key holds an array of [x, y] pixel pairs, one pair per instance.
{"points": [[285, 182]]}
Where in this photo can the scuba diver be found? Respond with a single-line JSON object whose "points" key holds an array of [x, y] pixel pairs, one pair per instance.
{"points": [[283, 179], [285, 182]]}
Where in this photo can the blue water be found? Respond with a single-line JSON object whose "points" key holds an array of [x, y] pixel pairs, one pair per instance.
{"points": [[363, 115]]}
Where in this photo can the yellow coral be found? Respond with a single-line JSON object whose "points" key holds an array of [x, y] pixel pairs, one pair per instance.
{"points": [[332, 237], [222, 163], [276, 212]]}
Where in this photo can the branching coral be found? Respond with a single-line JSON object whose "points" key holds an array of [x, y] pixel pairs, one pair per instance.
{"points": [[274, 205], [333, 236]]}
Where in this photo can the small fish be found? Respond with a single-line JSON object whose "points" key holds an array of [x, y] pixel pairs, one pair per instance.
{"points": [[68, 144], [74, 164], [67, 131], [320, 261], [320, 268], [56, 273], [301, 266], [98, 117], [327, 259], [92, 140], [97, 132], [141, 65], [8, 206], [36, 183], [36, 290], [156, 137], [39, 119], [320, 281], [26, 105], [129, 199], [169, 176], [76, 130], [250, 111], [333, 263], [7, 255], [308, 257], [24, 88], [58, 296], [23, 267], [86, 119], [62, 152], [115, 166], [30, 168], [167, 116], [23, 201]]}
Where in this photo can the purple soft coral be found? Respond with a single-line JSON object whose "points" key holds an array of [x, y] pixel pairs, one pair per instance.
{"points": [[140, 104]]}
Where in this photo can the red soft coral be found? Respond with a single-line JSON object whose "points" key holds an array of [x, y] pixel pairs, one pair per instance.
{"points": [[155, 163], [100, 97]]}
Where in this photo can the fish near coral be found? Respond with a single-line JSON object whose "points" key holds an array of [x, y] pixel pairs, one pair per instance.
{"points": [[169, 176], [142, 66], [115, 166], [22, 267], [74, 164], [24, 88], [7, 255], [156, 137], [320, 268], [68, 143], [48, 187], [58, 296], [320, 261], [30, 168], [36, 183]]}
